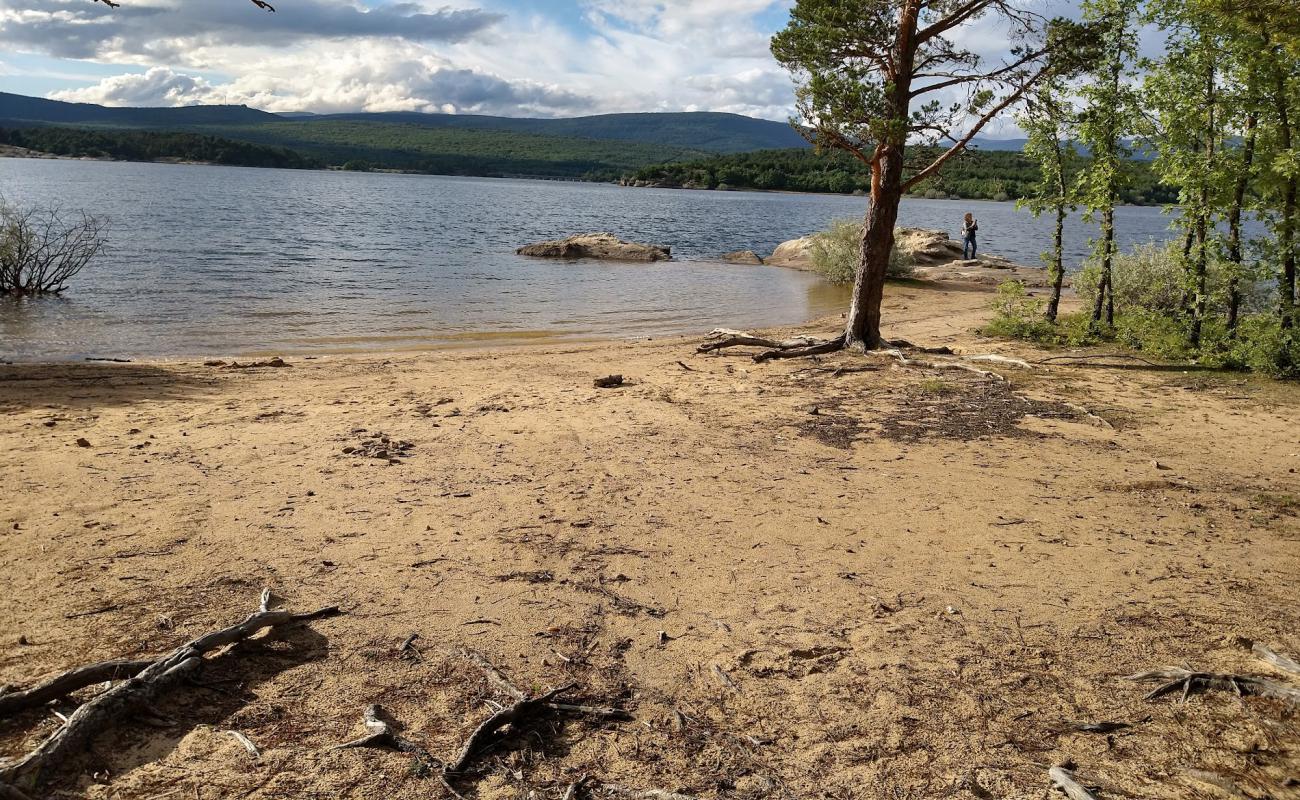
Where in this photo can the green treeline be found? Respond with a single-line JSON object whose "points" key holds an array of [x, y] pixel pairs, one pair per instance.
{"points": [[976, 175], [153, 146], [456, 151]]}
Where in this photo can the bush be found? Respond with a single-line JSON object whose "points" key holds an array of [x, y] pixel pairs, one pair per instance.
{"points": [[1261, 345], [1019, 316], [835, 253], [41, 249], [1150, 277]]}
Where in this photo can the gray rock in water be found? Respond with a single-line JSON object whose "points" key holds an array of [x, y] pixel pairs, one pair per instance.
{"points": [[743, 257], [605, 246]]}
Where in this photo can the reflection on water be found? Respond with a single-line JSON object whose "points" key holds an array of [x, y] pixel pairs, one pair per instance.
{"points": [[222, 261]]}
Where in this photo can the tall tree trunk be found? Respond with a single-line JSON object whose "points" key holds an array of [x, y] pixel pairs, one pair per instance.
{"points": [[1286, 281], [1105, 301], [862, 329], [1058, 265], [1235, 258], [1058, 248], [1199, 285]]}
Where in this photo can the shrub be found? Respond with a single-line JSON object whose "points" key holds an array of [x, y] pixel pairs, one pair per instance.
{"points": [[1261, 345], [1150, 277], [42, 249], [835, 253], [1019, 316]]}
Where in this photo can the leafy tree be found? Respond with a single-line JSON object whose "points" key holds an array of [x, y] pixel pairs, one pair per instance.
{"points": [[1109, 118], [871, 75], [1048, 123]]}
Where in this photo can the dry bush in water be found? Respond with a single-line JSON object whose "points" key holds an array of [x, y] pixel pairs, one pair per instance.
{"points": [[41, 249]]}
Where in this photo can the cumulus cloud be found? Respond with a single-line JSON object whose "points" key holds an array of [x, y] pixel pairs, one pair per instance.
{"points": [[336, 55], [167, 28], [372, 76]]}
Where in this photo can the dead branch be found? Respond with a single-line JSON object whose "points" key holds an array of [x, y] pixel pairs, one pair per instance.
{"points": [[139, 691], [1269, 657], [1064, 780], [721, 338], [510, 715], [997, 359], [1174, 678], [68, 682], [246, 743], [524, 708]]}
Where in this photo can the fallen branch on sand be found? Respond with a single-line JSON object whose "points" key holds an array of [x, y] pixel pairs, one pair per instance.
{"points": [[721, 338], [382, 730], [1174, 678], [1275, 660], [1063, 777], [136, 693]]}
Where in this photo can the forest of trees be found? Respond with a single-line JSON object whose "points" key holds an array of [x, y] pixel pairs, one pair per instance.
{"points": [[153, 146], [975, 175]]}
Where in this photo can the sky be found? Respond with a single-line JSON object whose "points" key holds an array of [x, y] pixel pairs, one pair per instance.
{"points": [[545, 58]]}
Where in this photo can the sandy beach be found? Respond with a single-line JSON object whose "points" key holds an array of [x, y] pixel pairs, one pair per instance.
{"points": [[802, 579]]}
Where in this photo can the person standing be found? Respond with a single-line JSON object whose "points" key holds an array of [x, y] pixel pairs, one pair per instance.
{"points": [[968, 229]]}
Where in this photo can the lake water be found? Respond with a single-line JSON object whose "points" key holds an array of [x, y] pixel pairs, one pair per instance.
{"points": [[222, 261]]}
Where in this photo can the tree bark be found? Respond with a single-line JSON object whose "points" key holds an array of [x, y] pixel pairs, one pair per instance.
{"points": [[1105, 301], [1287, 279], [862, 329], [1058, 249], [862, 326], [1235, 258], [1058, 265]]}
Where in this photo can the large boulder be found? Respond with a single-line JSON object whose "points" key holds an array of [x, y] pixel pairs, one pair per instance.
{"points": [[796, 254], [604, 246], [743, 257], [923, 247]]}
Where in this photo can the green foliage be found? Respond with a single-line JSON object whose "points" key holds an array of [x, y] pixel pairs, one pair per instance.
{"points": [[1019, 316], [1261, 345], [1148, 277], [835, 253], [975, 175], [153, 146]]}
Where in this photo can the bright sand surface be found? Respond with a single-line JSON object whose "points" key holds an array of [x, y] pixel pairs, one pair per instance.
{"points": [[803, 582]]}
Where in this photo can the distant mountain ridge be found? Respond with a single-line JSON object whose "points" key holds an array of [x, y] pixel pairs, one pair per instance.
{"points": [[703, 130]]}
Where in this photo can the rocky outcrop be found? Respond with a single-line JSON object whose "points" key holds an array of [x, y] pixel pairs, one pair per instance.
{"points": [[743, 257], [923, 247], [605, 246], [796, 254]]}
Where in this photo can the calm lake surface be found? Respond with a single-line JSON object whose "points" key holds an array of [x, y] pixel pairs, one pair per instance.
{"points": [[222, 261]]}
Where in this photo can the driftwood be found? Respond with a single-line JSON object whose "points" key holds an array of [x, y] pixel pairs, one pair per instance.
{"points": [[722, 338], [1064, 780], [68, 682], [961, 366], [137, 692], [1275, 660], [1174, 678]]}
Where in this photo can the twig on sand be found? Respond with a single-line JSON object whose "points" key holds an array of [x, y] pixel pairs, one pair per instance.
{"points": [[58, 750], [247, 744], [1174, 678], [1062, 776], [1275, 660]]}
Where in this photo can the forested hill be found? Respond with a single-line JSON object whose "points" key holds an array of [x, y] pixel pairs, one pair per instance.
{"points": [[154, 146], [697, 131], [22, 109], [976, 175]]}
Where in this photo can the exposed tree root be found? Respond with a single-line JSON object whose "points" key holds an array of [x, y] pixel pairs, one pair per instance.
{"points": [[137, 692], [1064, 779], [1174, 678]]}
